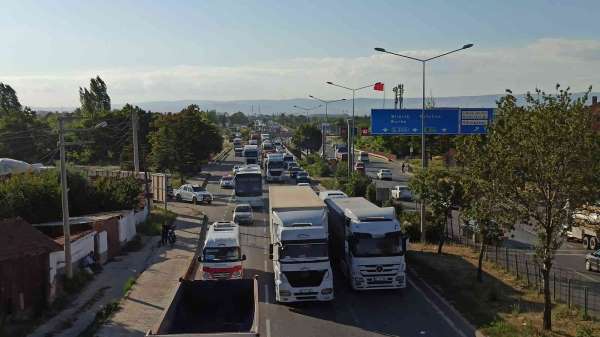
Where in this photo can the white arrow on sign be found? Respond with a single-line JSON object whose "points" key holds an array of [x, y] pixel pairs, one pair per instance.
{"points": [[385, 129], [444, 130], [415, 129]]}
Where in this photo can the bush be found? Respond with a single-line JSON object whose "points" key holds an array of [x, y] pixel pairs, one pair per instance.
{"points": [[372, 193], [357, 186], [153, 225], [22, 193]]}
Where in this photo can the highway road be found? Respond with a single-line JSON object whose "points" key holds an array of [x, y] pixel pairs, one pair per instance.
{"points": [[407, 312]]}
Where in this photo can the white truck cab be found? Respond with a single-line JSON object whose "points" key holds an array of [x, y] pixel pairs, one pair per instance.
{"points": [[368, 244], [222, 256]]}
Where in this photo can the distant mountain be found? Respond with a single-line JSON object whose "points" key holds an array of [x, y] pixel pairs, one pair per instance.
{"points": [[363, 106]]}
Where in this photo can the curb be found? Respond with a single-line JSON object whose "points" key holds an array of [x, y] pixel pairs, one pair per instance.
{"points": [[445, 302]]}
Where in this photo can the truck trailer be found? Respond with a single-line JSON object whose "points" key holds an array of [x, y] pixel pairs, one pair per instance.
{"points": [[367, 243], [299, 247]]}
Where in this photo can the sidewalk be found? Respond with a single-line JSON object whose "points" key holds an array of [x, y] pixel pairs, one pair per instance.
{"points": [[106, 287], [152, 291]]}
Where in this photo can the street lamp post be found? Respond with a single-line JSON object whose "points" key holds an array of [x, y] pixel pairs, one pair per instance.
{"points": [[423, 156], [351, 131], [323, 129]]}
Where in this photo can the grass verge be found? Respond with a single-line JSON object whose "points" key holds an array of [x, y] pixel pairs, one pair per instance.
{"points": [[128, 284], [153, 225], [501, 306]]}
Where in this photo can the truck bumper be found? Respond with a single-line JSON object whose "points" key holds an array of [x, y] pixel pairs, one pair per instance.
{"points": [[379, 282]]}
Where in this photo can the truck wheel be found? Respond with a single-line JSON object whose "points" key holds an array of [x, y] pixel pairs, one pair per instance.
{"points": [[586, 242], [594, 243]]}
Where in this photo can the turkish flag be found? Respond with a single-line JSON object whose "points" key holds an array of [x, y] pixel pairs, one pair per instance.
{"points": [[378, 86]]}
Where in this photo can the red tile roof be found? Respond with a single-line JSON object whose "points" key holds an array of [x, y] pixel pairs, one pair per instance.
{"points": [[20, 239]]}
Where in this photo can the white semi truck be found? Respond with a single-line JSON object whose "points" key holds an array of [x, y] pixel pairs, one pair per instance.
{"points": [[367, 243], [274, 167], [299, 247]]}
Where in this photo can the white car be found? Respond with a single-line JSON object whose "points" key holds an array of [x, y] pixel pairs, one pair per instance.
{"points": [[242, 214], [332, 194], [193, 193], [226, 182], [384, 174], [401, 192]]}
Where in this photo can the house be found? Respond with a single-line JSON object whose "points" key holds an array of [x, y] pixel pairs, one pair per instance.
{"points": [[24, 268]]}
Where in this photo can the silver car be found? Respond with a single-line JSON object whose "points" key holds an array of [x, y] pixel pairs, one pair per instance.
{"points": [[242, 214], [592, 261]]}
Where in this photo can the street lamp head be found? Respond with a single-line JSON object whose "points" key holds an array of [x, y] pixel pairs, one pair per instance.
{"points": [[311, 96], [380, 49], [467, 46], [329, 82], [343, 99]]}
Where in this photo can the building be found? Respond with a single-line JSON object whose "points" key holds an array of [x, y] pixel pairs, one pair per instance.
{"points": [[24, 268]]}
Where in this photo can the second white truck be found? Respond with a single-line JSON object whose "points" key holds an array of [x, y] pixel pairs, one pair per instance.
{"points": [[367, 243], [299, 247]]}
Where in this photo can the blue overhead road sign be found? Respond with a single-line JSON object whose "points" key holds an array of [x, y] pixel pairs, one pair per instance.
{"points": [[475, 120], [439, 121]]}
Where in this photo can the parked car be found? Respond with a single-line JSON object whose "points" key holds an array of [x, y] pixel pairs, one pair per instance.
{"points": [[242, 214], [226, 182], [302, 177], [294, 171], [384, 174], [592, 261], [193, 193], [359, 166], [401, 192]]}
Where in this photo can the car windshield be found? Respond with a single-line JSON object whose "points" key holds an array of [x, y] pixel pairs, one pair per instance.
{"points": [[275, 164], [221, 254], [228, 178], [364, 245], [385, 171], [244, 209], [198, 189], [291, 250]]}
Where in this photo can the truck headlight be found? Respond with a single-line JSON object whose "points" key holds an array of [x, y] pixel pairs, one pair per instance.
{"points": [[400, 278], [285, 293], [326, 291], [358, 280], [236, 274]]}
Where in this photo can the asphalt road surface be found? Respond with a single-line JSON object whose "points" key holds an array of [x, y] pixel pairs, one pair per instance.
{"points": [[407, 312]]}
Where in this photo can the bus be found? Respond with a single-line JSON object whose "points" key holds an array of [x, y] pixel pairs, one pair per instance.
{"points": [[248, 188]]}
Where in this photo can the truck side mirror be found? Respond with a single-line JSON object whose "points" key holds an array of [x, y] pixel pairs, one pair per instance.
{"points": [[243, 257], [200, 259]]}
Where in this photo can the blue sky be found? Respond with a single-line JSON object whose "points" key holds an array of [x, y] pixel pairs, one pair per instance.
{"points": [[166, 50]]}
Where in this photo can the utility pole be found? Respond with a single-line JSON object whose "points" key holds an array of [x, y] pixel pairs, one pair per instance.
{"points": [[65, 198], [136, 156], [349, 147]]}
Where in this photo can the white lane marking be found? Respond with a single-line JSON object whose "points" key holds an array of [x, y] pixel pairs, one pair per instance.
{"points": [[437, 309], [268, 323], [266, 293]]}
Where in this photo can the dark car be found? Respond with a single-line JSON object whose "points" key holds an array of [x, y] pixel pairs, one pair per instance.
{"points": [[302, 177], [294, 171], [592, 261]]}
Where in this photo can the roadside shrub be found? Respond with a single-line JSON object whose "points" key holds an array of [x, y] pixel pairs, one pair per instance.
{"points": [[36, 197], [357, 186], [372, 193]]}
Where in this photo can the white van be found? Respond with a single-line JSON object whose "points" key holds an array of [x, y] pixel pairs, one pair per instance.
{"points": [[222, 256], [363, 156]]}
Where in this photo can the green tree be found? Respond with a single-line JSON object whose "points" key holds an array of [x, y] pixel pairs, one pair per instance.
{"points": [[96, 98], [183, 141], [549, 155], [307, 137], [442, 191], [357, 185], [8, 99], [238, 118]]}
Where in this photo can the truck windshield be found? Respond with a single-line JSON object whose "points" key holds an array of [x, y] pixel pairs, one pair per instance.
{"points": [[250, 153], [222, 254], [248, 185], [364, 245], [304, 250], [275, 165]]}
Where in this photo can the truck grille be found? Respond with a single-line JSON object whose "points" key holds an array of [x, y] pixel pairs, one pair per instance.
{"points": [[275, 173], [379, 269], [305, 278]]}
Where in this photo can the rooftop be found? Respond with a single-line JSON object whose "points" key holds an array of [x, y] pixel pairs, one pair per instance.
{"points": [[20, 239]]}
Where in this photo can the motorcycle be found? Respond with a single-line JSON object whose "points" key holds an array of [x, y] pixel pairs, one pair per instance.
{"points": [[171, 237]]}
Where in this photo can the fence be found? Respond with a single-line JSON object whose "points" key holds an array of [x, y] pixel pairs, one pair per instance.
{"points": [[566, 285]]}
